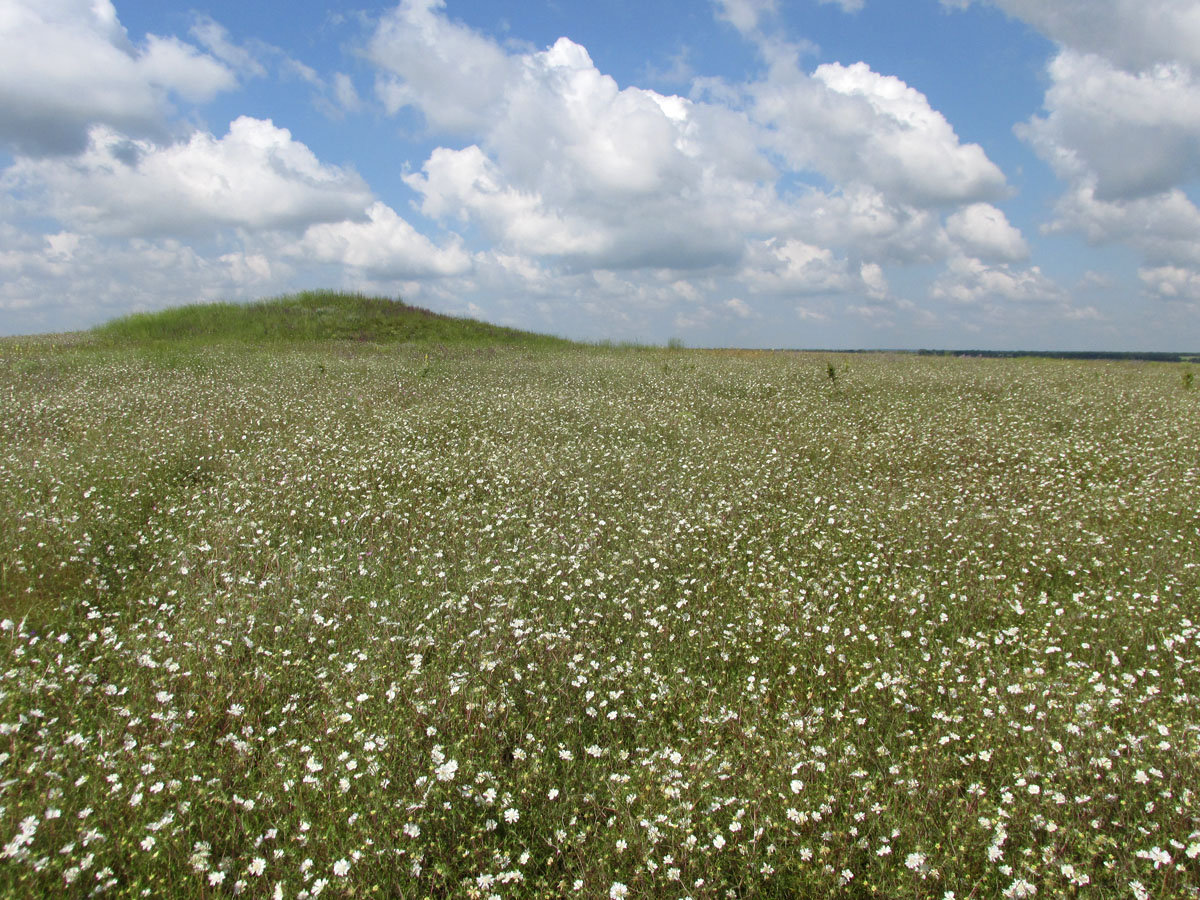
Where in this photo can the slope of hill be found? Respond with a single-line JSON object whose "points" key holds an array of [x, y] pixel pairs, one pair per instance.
{"points": [[314, 316]]}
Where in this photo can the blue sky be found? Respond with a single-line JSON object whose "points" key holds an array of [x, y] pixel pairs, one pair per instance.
{"points": [[762, 173]]}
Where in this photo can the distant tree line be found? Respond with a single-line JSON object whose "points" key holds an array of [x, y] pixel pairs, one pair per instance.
{"points": [[1148, 356]]}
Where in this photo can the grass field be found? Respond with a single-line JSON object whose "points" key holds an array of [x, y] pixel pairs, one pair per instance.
{"points": [[399, 618]]}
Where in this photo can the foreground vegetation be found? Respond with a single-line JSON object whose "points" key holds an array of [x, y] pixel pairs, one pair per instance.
{"points": [[366, 620]]}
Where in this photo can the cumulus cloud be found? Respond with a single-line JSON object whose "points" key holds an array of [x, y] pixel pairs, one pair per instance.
{"points": [[466, 184], [251, 268], [793, 268], [562, 163], [567, 175], [740, 308], [456, 77], [982, 230], [565, 115], [571, 165], [1171, 283], [70, 280], [256, 176], [66, 65], [1134, 34], [1122, 110], [858, 127], [1164, 227], [745, 15], [1133, 134], [970, 281], [384, 245], [873, 280], [1126, 144], [565, 187], [796, 268], [1121, 125], [877, 227]]}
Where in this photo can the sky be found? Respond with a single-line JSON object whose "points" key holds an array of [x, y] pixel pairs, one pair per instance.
{"points": [[944, 174]]}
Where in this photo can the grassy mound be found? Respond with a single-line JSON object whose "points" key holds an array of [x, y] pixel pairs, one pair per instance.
{"points": [[314, 316]]}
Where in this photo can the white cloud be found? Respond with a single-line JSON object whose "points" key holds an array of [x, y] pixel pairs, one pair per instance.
{"points": [[571, 165], [66, 65], [847, 6], [791, 267], [563, 163], [1164, 227], [806, 314], [1121, 126], [256, 177], [794, 267], [744, 15], [874, 280], [334, 97], [217, 41], [62, 245], [345, 93], [970, 281], [251, 269], [910, 151], [1171, 283], [570, 192], [384, 245], [740, 308], [565, 114], [466, 184], [864, 219], [1134, 134], [70, 280], [858, 127], [456, 77], [982, 230], [1134, 34]]}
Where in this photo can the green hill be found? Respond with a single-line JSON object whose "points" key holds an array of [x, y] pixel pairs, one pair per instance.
{"points": [[314, 316]]}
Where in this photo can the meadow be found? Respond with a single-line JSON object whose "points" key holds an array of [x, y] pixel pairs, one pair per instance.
{"points": [[480, 619]]}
